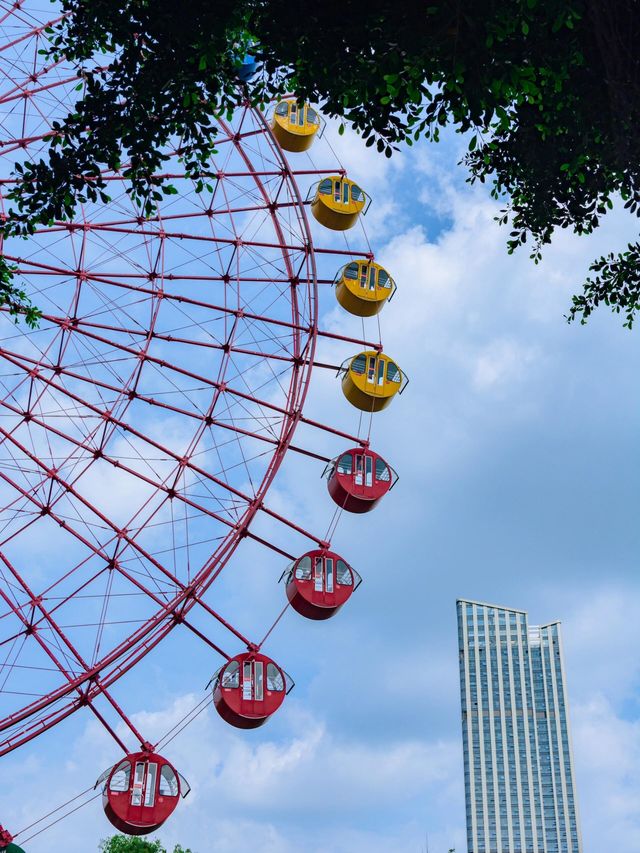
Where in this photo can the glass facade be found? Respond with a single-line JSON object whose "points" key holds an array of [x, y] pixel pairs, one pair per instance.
{"points": [[518, 763]]}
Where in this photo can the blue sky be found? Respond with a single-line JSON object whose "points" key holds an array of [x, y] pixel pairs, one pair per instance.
{"points": [[516, 445]]}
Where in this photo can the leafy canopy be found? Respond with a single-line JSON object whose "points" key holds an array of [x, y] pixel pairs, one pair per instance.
{"points": [[131, 844], [547, 89]]}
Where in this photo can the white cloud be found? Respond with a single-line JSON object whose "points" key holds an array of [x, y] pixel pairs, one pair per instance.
{"points": [[501, 362], [603, 637], [306, 784], [607, 751]]}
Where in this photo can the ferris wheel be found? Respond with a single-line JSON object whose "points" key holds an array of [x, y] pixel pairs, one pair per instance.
{"points": [[144, 421]]}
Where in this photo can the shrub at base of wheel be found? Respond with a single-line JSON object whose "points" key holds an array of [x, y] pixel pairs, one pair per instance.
{"points": [[358, 479], [370, 380], [338, 202], [363, 287], [141, 792], [295, 125], [319, 583], [127, 844], [249, 689], [11, 848]]}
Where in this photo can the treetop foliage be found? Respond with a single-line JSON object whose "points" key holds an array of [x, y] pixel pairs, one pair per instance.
{"points": [[132, 844], [548, 91]]}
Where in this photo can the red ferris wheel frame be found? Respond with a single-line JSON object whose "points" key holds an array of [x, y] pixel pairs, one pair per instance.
{"points": [[88, 681]]}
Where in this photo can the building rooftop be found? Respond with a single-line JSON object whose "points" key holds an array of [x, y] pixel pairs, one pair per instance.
{"points": [[486, 604]]}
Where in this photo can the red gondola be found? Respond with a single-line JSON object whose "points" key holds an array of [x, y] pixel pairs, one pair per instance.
{"points": [[319, 583], [141, 792], [6, 842], [358, 479], [249, 689]]}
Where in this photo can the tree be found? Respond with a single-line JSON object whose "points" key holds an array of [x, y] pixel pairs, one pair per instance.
{"points": [[547, 89], [131, 844]]}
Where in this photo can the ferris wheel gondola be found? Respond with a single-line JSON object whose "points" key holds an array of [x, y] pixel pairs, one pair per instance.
{"points": [[358, 479], [370, 380], [338, 202], [363, 287], [319, 583], [295, 125], [249, 689], [140, 792]]}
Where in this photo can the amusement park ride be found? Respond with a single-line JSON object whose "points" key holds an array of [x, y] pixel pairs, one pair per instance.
{"points": [[170, 367]]}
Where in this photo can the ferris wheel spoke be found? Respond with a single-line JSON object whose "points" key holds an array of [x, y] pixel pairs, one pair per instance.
{"points": [[225, 140], [92, 675], [107, 277], [19, 531], [60, 636], [7, 665], [11, 9], [208, 212], [29, 34], [8, 147], [40, 713], [97, 550], [184, 464], [76, 591], [171, 338], [68, 488], [148, 557], [348, 252], [59, 369], [159, 295], [160, 404], [34, 403], [143, 231], [21, 92], [36, 605], [82, 445]]}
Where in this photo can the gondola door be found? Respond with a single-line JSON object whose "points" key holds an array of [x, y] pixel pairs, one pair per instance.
{"points": [[143, 793], [323, 580], [358, 474], [329, 581], [318, 579], [362, 473], [252, 687]]}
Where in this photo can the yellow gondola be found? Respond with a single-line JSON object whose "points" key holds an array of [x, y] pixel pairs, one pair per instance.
{"points": [[338, 202], [370, 380], [295, 125], [363, 287]]}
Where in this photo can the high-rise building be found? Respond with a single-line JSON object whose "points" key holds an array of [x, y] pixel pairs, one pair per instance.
{"points": [[518, 761]]}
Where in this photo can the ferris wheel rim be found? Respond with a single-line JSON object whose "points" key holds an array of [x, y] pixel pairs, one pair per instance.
{"points": [[161, 622]]}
